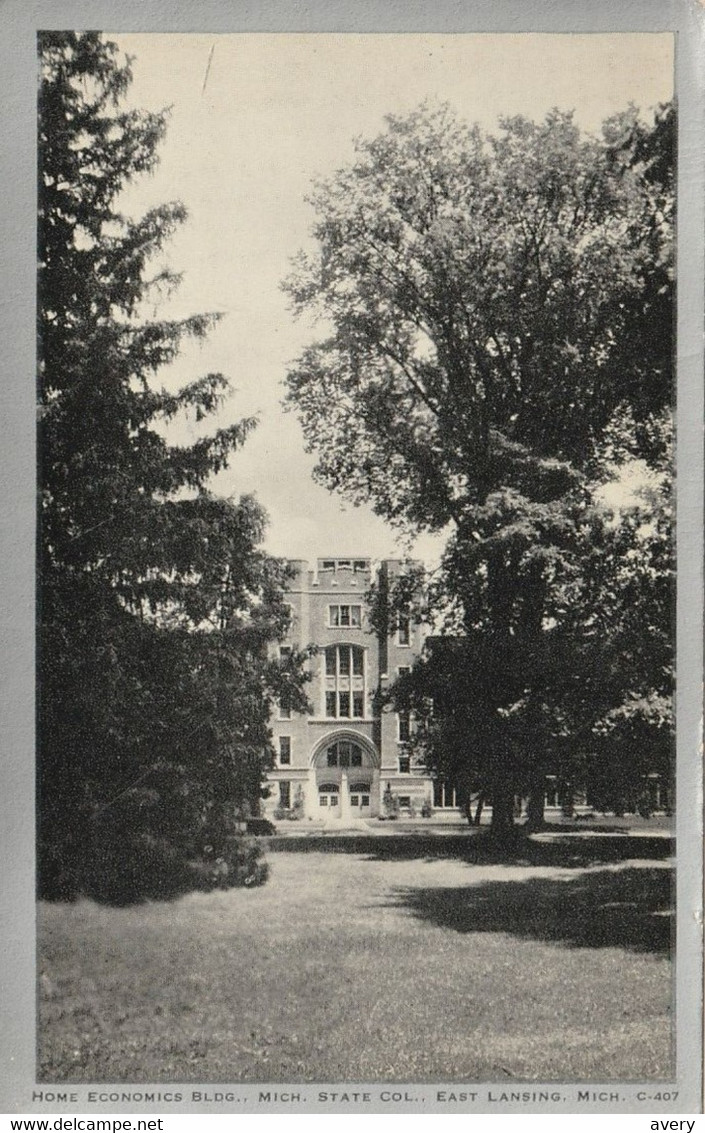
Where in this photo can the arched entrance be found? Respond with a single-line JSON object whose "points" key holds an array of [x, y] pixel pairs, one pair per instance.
{"points": [[345, 767]]}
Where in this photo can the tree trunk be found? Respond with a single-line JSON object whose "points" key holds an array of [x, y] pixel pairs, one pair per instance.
{"points": [[536, 802], [478, 810], [468, 810], [502, 811]]}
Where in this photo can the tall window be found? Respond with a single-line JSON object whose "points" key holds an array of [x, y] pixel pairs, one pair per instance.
{"points": [[284, 750], [284, 657], [285, 795], [348, 616], [404, 730], [404, 724], [345, 682], [404, 630], [444, 795]]}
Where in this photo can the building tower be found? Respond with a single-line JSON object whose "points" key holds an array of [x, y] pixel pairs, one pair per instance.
{"points": [[336, 763]]}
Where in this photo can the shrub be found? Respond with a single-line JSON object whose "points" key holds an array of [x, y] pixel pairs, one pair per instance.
{"points": [[390, 804], [245, 863], [123, 866], [291, 814], [239, 865], [123, 870]]}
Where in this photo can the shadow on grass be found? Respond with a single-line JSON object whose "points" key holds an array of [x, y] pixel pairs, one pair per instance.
{"points": [[611, 908], [606, 825], [478, 847]]}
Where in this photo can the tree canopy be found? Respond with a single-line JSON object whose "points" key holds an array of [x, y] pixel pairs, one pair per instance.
{"points": [[156, 603], [477, 290], [496, 313]]}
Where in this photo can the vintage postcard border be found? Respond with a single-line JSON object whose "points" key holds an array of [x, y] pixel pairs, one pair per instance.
{"points": [[19, 24]]}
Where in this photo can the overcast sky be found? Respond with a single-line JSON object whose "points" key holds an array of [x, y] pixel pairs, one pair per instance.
{"points": [[254, 119]]}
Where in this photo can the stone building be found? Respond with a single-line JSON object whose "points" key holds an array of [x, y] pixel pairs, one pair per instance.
{"points": [[349, 756], [343, 760]]}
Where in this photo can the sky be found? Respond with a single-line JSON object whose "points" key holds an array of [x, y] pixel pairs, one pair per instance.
{"points": [[254, 119]]}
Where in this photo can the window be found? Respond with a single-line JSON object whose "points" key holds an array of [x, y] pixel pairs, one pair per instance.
{"points": [[284, 749], [354, 565], [405, 801], [344, 753], [344, 682], [444, 795], [359, 795], [403, 670], [348, 616], [404, 726], [404, 630], [404, 763], [360, 800], [284, 658], [328, 794], [285, 795]]}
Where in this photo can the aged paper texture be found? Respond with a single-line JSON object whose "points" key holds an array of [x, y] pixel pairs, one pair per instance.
{"points": [[407, 953]]}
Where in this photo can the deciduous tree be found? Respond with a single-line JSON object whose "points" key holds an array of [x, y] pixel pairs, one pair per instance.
{"points": [[483, 299]]}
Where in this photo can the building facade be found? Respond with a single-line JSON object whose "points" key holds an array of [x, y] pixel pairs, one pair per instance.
{"points": [[349, 758]]}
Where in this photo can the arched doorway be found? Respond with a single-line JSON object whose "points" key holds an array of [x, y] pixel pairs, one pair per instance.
{"points": [[346, 771]]}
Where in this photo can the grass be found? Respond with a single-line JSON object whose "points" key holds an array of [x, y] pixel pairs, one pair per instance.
{"points": [[361, 967]]}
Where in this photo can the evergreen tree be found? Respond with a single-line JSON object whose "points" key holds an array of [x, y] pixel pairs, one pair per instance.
{"points": [[156, 605]]}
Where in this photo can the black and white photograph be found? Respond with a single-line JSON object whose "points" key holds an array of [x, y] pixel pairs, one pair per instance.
{"points": [[356, 553]]}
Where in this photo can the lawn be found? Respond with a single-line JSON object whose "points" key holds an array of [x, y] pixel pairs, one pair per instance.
{"points": [[369, 966]]}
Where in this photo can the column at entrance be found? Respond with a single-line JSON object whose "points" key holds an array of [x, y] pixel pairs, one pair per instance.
{"points": [[312, 807], [345, 812], [374, 795]]}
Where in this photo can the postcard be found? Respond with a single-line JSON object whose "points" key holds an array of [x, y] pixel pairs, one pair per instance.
{"points": [[353, 558]]}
